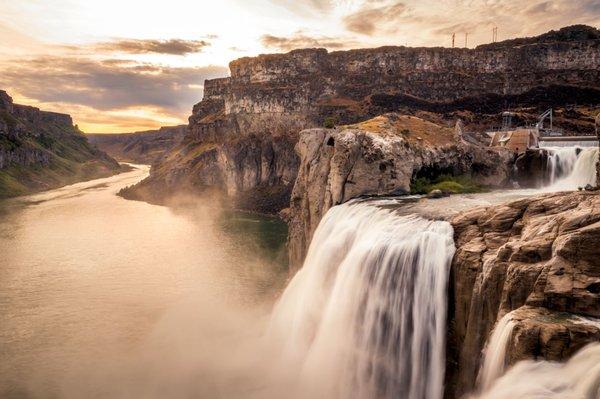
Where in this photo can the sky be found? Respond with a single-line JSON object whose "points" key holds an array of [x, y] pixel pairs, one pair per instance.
{"points": [[129, 65]]}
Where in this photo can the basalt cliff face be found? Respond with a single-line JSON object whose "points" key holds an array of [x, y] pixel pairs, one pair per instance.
{"points": [[535, 261], [145, 147], [242, 135], [381, 156], [41, 150]]}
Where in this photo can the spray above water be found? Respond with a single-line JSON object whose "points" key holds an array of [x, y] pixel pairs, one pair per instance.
{"points": [[578, 378], [366, 315], [494, 363], [571, 167]]}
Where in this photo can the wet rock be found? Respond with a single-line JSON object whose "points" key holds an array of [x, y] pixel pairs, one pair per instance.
{"points": [[435, 194], [272, 97], [543, 334], [535, 258], [376, 158]]}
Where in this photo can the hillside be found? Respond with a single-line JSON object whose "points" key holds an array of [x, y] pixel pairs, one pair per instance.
{"points": [[144, 147], [241, 136], [42, 150]]}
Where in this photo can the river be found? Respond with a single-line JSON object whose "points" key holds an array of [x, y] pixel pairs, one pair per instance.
{"points": [[105, 298], [96, 290]]}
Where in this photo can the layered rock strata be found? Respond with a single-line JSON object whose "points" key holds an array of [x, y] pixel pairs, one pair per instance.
{"points": [[536, 259], [241, 136], [379, 157], [145, 147], [41, 150]]}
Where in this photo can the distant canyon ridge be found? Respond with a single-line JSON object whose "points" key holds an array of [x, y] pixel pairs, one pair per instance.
{"points": [[40, 150], [241, 137]]}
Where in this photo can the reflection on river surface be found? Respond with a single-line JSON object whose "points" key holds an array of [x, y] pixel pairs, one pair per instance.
{"points": [[90, 281]]}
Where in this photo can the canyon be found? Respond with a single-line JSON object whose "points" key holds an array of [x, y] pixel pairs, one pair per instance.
{"points": [[145, 147], [318, 138], [314, 130], [241, 136], [40, 150]]}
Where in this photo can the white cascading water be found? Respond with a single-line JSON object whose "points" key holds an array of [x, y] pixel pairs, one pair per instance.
{"points": [[571, 167], [578, 378], [366, 315], [494, 362]]}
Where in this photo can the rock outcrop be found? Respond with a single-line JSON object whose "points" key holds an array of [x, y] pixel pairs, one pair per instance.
{"points": [[145, 147], [536, 259], [241, 136], [40, 150], [379, 157]]}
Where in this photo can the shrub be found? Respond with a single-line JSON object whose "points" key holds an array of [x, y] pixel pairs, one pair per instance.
{"points": [[330, 122], [448, 184]]}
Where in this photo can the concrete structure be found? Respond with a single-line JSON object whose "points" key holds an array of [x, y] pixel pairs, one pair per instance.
{"points": [[518, 140]]}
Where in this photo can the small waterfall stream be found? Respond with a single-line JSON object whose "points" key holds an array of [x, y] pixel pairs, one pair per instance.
{"points": [[578, 378], [366, 315], [494, 363], [571, 167]]}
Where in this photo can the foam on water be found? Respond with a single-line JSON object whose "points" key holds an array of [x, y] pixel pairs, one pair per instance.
{"points": [[366, 315], [571, 168]]}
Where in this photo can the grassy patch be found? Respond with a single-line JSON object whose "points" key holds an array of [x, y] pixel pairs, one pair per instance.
{"points": [[448, 184]]}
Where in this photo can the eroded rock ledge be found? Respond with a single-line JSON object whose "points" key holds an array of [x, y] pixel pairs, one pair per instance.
{"points": [[379, 157], [536, 258], [241, 136]]}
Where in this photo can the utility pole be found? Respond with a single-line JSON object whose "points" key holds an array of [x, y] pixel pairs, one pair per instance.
{"points": [[453, 37]]}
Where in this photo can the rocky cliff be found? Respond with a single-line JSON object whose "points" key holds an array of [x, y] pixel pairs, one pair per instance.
{"points": [[145, 147], [41, 150], [241, 136], [381, 156], [535, 261]]}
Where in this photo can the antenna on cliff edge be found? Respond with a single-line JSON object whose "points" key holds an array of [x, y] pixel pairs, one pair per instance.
{"points": [[466, 39], [495, 34], [453, 37]]}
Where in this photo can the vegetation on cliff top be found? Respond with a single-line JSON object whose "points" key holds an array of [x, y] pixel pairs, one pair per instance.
{"points": [[447, 184], [40, 155]]}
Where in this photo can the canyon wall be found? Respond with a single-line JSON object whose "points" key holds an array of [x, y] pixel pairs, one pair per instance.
{"points": [[381, 156], [145, 147], [41, 150], [535, 261], [242, 134]]}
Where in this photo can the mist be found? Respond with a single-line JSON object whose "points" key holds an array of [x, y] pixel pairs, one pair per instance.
{"points": [[109, 298]]}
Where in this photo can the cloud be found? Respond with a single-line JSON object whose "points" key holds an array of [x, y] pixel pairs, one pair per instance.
{"points": [[374, 15], [462, 27], [109, 84], [108, 95], [307, 8], [172, 46], [300, 40]]}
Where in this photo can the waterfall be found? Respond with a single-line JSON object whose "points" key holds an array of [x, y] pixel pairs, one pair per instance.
{"points": [[571, 167], [366, 315], [578, 378], [494, 363]]}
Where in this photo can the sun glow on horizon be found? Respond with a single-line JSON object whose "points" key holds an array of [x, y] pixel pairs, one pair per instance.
{"points": [[121, 65]]}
